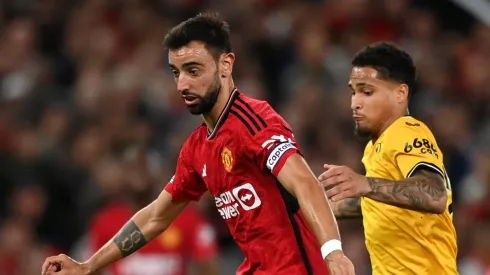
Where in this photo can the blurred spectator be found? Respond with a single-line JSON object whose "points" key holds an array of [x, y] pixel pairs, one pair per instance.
{"points": [[478, 259]]}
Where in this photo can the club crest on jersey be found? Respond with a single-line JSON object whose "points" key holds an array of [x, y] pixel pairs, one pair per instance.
{"points": [[227, 159]]}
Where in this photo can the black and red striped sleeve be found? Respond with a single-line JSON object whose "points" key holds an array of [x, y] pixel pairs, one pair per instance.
{"points": [[268, 139]]}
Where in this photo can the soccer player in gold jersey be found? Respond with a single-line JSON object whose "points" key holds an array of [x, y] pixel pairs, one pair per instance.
{"points": [[405, 198]]}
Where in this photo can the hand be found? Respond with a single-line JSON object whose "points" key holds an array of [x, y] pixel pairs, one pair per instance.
{"points": [[63, 265], [341, 182], [339, 264]]}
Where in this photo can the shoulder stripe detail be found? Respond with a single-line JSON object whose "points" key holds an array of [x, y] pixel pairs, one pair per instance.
{"points": [[250, 118], [252, 111], [288, 129], [424, 164], [237, 115]]}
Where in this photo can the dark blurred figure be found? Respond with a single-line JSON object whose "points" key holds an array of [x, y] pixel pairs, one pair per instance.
{"points": [[20, 251]]}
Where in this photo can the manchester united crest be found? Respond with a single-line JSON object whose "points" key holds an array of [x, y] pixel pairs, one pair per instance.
{"points": [[227, 159]]}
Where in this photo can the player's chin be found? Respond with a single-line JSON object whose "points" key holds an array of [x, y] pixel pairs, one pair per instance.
{"points": [[196, 109], [362, 131]]}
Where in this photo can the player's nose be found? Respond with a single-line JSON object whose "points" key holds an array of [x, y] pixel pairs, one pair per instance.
{"points": [[356, 102], [183, 83]]}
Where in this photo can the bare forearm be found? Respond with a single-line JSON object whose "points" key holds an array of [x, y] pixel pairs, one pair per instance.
{"points": [[300, 181], [424, 192], [141, 229], [145, 225], [347, 208], [318, 214]]}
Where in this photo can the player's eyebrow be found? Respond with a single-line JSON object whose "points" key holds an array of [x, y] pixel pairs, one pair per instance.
{"points": [[350, 87], [191, 64], [361, 84], [186, 64]]}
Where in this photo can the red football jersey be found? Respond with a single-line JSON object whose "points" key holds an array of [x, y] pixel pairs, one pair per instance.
{"points": [[188, 238], [238, 163]]}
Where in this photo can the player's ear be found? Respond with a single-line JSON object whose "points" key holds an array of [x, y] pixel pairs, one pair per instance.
{"points": [[226, 64], [402, 93]]}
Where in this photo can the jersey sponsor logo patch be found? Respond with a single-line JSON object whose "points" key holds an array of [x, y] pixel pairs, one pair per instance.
{"points": [[422, 146], [241, 198], [227, 159], [277, 153], [412, 124]]}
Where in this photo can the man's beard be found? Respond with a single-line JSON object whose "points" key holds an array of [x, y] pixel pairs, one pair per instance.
{"points": [[362, 133], [207, 102]]}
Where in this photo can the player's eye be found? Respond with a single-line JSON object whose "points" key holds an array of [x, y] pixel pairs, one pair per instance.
{"points": [[194, 72], [367, 92], [175, 73]]}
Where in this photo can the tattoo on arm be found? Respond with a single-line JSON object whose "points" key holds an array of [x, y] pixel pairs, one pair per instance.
{"points": [[129, 239], [347, 208], [422, 192]]}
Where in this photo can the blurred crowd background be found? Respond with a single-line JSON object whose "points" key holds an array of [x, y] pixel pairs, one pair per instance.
{"points": [[90, 117]]}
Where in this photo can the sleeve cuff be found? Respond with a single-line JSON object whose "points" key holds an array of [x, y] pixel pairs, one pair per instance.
{"points": [[179, 196], [425, 165]]}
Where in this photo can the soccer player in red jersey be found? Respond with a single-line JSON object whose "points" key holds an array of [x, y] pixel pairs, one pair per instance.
{"points": [[190, 238], [246, 156]]}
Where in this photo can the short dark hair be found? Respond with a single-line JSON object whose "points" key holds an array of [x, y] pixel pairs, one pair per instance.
{"points": [[204, 27], [391, 62]]}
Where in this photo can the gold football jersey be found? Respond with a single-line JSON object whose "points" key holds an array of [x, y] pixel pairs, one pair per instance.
{"points": [[402, 241]]}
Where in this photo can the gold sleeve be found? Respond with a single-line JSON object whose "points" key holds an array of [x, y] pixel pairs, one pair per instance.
{"points": [[415, 148]]}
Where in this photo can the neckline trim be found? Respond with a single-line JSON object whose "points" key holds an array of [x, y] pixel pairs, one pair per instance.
{"points": [[224, 114]]}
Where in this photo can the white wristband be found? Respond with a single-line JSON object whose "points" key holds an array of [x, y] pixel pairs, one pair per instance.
{"points": [[330, 246]]}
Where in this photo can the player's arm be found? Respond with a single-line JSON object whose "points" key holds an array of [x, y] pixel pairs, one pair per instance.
{"points": [[276, 150], [416, 156], [418, 159], [348, 208], [299, 180], [423, 191], [143, 227]]}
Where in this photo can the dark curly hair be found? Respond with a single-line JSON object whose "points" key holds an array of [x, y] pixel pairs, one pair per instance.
{"points": [[391, 62], [204, 27]]}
